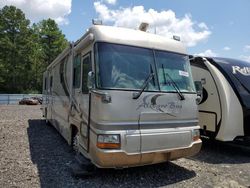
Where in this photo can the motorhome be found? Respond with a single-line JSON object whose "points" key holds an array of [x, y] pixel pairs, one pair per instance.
{"points": [[123, 97], [224, 108]]}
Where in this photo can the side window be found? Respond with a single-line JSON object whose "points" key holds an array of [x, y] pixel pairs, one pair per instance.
{"points": [[86, 67], [61, 70], [51, 82], [77, 72], [45, 83]]}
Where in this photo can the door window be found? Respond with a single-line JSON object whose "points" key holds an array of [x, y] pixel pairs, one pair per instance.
{"points": [[86, 67], [77, 72]]}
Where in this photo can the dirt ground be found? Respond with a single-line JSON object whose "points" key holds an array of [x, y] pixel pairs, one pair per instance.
{"points": [[33, 154]]}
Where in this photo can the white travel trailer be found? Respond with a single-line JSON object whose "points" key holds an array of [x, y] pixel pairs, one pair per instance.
{"points": [[123, 98], [224, 109]]}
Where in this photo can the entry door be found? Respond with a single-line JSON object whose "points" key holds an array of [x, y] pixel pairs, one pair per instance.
{"points": [[85, 99]]}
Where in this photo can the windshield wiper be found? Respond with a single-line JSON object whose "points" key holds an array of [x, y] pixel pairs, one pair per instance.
{"points": [[173, 83], [144, 85]]}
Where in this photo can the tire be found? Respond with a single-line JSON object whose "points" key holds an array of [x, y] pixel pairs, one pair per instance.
{"points": [[75, 142]]}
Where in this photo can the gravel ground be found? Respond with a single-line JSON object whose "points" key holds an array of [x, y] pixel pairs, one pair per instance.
{"points": [[35, 155]]}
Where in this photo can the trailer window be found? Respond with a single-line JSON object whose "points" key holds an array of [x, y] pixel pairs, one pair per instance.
{"points": [[77, 71], [86, 67]]}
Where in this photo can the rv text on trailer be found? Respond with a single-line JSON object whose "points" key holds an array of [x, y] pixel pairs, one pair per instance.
{"points": [[123, 98], [224, 109]]}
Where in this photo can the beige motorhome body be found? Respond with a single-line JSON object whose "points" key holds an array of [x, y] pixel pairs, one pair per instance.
{"points": [[123, 98]]}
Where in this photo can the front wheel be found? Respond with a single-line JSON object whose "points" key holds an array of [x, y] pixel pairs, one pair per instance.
{"points": [[75, 142]]}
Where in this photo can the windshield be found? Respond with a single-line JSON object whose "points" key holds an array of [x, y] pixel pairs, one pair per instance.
{"points": [[126, 67], [174, 68]]}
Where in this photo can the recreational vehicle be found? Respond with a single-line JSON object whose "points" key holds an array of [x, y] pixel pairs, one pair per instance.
{"points": [[123, 98], [224, 107]]}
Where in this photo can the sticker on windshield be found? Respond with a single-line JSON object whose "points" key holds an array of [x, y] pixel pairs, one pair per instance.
{"points": [[183, 73]]}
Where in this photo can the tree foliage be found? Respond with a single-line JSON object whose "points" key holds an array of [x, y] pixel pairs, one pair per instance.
{"points": [[14, 47], [51, 38], [26, 50]]}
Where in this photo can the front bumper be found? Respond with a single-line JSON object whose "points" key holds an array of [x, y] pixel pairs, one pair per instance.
{"points": [[117, 159]]}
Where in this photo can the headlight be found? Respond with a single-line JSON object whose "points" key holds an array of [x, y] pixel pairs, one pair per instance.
{"points": [[106, 141], [196, 134]]}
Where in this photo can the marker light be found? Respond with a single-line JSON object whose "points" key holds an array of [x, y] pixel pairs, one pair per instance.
{"points": [[96, 22], [196, 134], [105, 141], [178, 38]]}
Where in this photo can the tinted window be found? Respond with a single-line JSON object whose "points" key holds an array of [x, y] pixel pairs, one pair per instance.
{"points": [[77, 71], [124, 67], [45, 83], [127, 67], [51, 82], [86, 67], [175, 68]]}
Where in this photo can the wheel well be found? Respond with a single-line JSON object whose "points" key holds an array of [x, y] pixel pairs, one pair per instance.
{"points": [[74, 130]]}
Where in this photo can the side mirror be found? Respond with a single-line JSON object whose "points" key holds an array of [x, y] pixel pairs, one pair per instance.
{"points": [[199, 89], [91, 80]]}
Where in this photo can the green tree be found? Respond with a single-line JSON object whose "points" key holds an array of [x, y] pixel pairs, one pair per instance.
{"points": [[49, 43], [38, 65], [15, 47], [52, 40], [25, 50]]}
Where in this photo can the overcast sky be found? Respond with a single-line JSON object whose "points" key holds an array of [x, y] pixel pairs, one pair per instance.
{"points": [[207, 27]]}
